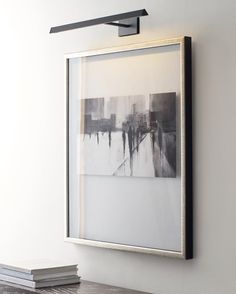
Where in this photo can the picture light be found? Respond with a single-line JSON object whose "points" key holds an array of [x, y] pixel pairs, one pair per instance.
{"points": [[128, 23]]}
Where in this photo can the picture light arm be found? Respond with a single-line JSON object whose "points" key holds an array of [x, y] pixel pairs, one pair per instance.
{"points": [[130, 24]]}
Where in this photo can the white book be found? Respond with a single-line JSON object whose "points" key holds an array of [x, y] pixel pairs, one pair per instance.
{"points": [[36, 277], [39, 266], [42, 283]]}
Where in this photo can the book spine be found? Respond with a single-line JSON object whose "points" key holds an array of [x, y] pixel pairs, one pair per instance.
{"points": [[16, 274], [53, 270], [54, 275], [41, 284], [37, 277], [18, 281], [15, 268]]}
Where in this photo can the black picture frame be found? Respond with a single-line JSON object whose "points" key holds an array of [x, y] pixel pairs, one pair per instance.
{"points": [[186, 237]]}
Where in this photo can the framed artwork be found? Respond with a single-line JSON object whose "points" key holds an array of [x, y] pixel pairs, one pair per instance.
{"points": [[128, 148]]}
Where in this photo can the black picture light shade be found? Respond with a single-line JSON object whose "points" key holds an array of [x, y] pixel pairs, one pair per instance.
{"points": [[129, 25]]}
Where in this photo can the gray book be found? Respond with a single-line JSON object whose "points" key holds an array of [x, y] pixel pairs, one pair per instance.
{"points": [[39, 267], [42, 283], [37, 277]]}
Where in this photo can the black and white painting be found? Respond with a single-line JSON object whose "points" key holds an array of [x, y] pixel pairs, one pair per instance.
{"points": [[128, 135]]}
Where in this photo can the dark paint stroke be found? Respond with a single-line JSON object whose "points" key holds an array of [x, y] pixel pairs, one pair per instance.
{"points": [[124, 141]]}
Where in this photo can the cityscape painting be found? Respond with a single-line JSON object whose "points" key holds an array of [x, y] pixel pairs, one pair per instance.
{"points": [[128, 135]]}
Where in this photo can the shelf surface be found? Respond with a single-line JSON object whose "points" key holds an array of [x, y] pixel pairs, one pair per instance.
{"points": [[85, 287]]}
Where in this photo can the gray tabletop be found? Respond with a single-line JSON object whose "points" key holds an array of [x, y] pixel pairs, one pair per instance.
{"points": [[85, 287]]}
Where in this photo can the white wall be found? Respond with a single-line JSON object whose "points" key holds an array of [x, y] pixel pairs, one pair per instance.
{"points": [[32, 138]]}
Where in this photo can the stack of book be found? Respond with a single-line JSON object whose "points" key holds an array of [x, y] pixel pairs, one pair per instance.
{"points": [[39, 274]]}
